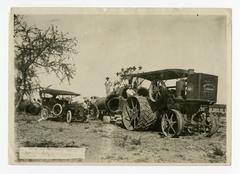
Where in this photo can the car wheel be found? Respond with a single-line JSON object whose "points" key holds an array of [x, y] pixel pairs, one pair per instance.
{"points": [[44, 114], [57, 109]]}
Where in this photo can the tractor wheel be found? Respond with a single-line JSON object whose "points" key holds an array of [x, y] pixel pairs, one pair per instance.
{"points": [[172, 123], [69, 116], [207, 124], [156, 90], [137, 114]]}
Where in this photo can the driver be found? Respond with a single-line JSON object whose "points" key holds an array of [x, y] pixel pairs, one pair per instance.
{"points": [[68, 100], [131, 88]]}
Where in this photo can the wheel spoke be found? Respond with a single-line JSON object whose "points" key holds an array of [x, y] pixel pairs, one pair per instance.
{"points": [[134, 123], [173, 130], [171, 126], [135, 107], [128, 113], [129, 110], [132, 103], [165, 125], [168, 129], [171, 117], [131, 120], [155, 89], [166, 122], [127, 119]]}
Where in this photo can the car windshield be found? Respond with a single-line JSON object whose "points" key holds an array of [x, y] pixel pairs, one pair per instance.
{"points": [[78, 99], [46, 95]]}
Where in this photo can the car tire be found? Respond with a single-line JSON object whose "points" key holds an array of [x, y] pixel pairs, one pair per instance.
{"points": [[44, 113], [57, 109]]}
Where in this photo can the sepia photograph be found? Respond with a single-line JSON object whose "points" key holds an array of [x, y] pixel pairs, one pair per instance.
{"points": [[122, 86]]}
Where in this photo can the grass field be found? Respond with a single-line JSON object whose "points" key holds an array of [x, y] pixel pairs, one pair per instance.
{"points": [[109, 143]]}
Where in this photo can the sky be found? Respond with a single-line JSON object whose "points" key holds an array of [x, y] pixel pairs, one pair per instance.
{"points": [[109, 42]]}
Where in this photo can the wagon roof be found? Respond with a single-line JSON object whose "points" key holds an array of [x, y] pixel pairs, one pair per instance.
{"points": [[165, 74], [58, 92]]}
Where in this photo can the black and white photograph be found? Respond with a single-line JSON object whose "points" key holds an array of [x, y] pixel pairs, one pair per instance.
{"points": [[120, 86]]}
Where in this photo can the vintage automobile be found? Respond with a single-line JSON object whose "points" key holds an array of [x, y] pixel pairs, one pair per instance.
{"points": [[178, 101], [58, 104]]}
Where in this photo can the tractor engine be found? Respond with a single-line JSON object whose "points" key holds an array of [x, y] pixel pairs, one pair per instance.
{"points": [[180, 89], [202, 87]]}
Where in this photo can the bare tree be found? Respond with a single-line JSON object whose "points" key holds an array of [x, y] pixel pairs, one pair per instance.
{"points": [[37, 50]]}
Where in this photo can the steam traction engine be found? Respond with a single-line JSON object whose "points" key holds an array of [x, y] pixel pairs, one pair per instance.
{"points": [[181, 107]]}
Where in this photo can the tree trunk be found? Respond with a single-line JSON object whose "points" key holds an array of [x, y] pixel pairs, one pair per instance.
{"points": [[18, 99], [21, 92]]}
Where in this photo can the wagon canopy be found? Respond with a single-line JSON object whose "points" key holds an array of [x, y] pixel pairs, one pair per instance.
{"points": [[58, 92], [165, 74]]}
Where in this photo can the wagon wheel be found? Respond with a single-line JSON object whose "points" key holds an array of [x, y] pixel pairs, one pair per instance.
{"points": [[172, 123], [156, 90], [69, 116], [93, 112], [131, 113], [207, 123]]}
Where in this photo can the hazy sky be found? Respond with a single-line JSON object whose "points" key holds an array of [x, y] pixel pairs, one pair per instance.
{"points": [[109, 42]]}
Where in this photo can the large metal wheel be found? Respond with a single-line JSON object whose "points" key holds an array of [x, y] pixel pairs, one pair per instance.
{"points": [[207, 123], [131, 113], [137, 114], [156, 90], [172, 123], [69, 116]]}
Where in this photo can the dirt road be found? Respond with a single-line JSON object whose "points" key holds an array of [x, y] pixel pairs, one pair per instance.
{"points": [[109, 143]]}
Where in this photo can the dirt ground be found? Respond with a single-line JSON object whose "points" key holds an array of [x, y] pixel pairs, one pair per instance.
{"points": [[109, 143]]}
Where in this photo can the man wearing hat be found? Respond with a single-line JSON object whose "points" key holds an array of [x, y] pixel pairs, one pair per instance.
{"points": [[108, 85]]}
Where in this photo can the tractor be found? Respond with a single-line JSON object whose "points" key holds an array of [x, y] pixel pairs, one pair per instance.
{"points": [[177, 102]]}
